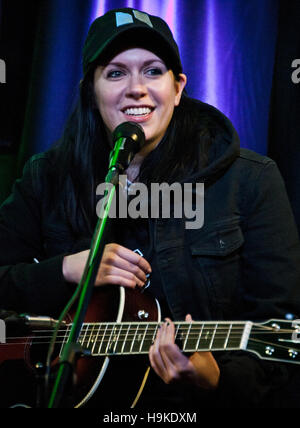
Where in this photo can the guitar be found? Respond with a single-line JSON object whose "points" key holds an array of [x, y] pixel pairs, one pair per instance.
{"points": [[123, 322]]}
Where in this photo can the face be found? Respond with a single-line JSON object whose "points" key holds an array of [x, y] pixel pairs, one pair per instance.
{"points": [[136, 86]]}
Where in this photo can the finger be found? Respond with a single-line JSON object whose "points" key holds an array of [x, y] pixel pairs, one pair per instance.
{"points": [[114, 275], [112, 260], [122, 269], [155, 357], [170, 352], [157, 349], [127, 260], [131, 257]]}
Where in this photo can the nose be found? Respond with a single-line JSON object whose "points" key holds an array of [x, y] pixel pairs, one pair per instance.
{"points": [[136, 87]]}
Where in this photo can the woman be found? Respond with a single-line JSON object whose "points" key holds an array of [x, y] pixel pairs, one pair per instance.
{"points": [[242, 264]]}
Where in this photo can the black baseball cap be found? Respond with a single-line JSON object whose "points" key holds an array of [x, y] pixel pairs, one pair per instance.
{"points": [[121, 28]]}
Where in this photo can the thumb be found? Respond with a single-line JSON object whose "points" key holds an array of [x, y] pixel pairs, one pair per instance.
{"points": [[188, 318]]}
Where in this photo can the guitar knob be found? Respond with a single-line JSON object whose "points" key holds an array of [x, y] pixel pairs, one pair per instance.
{"points": [[143, 315], [292, 353], [269, 350]]}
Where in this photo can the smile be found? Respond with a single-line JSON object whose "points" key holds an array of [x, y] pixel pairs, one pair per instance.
{"points": [[137, 111]]}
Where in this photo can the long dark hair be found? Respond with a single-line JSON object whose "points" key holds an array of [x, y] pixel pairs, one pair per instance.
{"points": [[81, 155]]}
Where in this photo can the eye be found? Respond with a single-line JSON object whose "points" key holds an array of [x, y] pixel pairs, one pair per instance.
{"points": [[154, 71], [114, 74]]}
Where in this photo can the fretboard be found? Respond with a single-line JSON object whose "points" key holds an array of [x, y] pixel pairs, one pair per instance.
{"points": [[136, 338]]}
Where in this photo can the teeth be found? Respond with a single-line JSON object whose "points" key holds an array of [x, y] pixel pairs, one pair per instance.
{"points": [[137, 111]]}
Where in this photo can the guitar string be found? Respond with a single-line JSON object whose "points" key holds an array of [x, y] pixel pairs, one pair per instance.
{"points": [[108, 332], [113, 344], [154, 326], [89, 329], [148, 335]]}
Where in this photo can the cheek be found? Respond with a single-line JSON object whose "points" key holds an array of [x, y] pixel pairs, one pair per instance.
{"points": [[105, 104]]}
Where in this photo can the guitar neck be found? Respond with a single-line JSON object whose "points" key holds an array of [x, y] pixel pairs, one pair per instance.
{"points": [[136, 338]]}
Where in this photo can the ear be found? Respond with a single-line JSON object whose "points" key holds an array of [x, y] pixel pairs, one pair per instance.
{"points": [[179, 87]]}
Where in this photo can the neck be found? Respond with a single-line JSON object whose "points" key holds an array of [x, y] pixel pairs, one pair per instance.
{"points": [[134, 168]]}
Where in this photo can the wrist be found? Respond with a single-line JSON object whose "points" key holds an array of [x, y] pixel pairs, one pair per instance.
{"points": [[207, 370], [65, 269]]}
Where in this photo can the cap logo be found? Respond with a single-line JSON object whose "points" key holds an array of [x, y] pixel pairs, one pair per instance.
{"points": [[141, 16], [125, 18]]}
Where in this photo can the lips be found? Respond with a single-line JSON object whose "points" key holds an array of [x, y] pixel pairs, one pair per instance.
{"points": [[137, 112]]}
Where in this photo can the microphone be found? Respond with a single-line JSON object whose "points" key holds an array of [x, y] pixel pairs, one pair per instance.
{"points": [[128, 139]]}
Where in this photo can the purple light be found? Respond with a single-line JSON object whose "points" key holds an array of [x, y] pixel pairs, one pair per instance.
{"points": [[166, 9], [100, 9], [211, 63]]}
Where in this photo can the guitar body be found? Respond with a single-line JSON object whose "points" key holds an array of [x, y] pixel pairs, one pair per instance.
{"points": [[118, 330], [106, 382]]}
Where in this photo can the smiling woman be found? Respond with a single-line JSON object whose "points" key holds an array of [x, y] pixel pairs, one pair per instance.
{"points": [[137, 86]]}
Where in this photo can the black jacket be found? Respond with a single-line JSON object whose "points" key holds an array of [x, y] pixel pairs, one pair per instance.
{"points": [[244, 263]]}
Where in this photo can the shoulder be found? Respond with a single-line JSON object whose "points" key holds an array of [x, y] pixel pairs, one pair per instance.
{"points": [[258, 175], [254, 164], [254, 159], [40, 164], [44, 159], [39, 170]]}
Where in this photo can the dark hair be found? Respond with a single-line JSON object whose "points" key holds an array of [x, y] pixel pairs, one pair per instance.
{"points": [[83, 151]]}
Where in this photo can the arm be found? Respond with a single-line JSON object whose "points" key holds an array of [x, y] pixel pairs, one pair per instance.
{"points": [[45, 287], [270, 287], [24, 284]]}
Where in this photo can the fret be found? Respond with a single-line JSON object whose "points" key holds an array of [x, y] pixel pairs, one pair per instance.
{"points": [[142, 341], [91, 337], [109, 340], [199, 337], [68, 329], [117, 341], [227, 337], [85, 330], [102, 342], [139, 334], [213, 336], [220, 336], [207, 333], [192, 337], [124, 348], [186, 338], [180, 336], [96, 339], [133, 340], [235, 336], [149, 337]]}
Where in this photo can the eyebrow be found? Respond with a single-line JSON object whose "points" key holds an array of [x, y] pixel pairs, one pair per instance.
{"points": [[121, 64]]}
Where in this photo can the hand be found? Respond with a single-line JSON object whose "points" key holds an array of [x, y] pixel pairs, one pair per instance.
{"points": [[119, 266], [200, 369]]}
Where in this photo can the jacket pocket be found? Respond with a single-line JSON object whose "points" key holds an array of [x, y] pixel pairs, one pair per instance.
{"points": [[216, 257], [220, 240]]}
